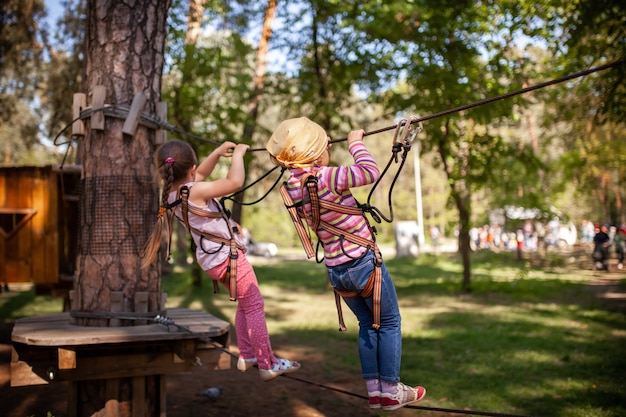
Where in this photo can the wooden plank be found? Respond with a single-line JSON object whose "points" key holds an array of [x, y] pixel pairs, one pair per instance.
{"points": [[52, 244], [37, 252], [126, 365], [162, 395], [139, 397], [112, 393], [134, 114], [72, 399], [97, 103], [22, 374], [78, 104], [57, 330], [24, 239], [3, 263], [110, 364], [10, 201], [67, 358], [3, 259]]}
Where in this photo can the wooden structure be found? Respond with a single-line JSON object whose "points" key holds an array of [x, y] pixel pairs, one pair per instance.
{"points": [[48, 349], [39, 226]]}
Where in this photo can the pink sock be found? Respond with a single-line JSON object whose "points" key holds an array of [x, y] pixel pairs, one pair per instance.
{"points": [[389, 388], [373, 385]]}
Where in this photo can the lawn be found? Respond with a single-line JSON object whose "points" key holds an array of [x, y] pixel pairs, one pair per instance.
{"points": [[525, 341]]}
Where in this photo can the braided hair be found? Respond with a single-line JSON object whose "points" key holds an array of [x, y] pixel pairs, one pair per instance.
{"points": [[174, 160]]}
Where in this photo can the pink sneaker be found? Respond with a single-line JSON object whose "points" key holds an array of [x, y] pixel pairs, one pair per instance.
{"points": [[404, 396]]}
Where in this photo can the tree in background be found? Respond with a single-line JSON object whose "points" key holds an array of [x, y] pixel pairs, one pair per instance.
{"points": [[22, 38], [589, 113], [353, 64], [64, 67]]}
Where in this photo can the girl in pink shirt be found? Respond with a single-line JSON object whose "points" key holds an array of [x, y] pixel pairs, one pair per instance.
{"points": [[217, 241]]}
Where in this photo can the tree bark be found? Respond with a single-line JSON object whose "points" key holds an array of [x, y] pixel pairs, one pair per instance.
{"points": [[125, 44], [125, 54], [460, 193]]}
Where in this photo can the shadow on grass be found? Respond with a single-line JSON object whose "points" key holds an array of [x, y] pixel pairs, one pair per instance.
{"points": [[525, 340]]}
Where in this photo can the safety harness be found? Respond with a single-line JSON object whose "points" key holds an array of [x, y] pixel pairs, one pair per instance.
{"points": [[230, 278], [297, 213]]}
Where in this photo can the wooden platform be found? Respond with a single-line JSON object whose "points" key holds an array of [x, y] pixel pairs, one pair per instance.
{"points": [[49, 348]]}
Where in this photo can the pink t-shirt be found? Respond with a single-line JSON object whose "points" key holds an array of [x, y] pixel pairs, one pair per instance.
{"points": [[209, 254]]}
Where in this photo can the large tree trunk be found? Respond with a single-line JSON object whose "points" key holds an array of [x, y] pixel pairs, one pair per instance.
{"points": [[119, 200], [125, 53]]}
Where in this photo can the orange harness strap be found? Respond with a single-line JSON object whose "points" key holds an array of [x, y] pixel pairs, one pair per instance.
{"points": [[230, 278], [374, 284], [296, 217]]}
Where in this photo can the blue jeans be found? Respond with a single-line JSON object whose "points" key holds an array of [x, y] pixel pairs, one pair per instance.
{"points": [[380, 351]]}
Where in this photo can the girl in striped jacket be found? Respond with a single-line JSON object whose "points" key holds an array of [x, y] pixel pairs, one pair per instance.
{"points": [[302, 146]]}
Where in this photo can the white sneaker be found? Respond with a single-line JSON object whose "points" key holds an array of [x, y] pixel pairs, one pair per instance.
{"points": [[283, 366], [244, 364], [620, 266]]}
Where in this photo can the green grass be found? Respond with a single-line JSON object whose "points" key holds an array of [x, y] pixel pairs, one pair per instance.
{"points": [[18, 303], [526, 340]]}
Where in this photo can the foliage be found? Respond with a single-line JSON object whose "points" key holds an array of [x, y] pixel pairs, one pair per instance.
{"points": [[350, 64], [21, 55], [64, 68]]}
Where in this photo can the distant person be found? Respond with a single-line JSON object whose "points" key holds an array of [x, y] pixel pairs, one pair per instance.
{"points": [[434, 236], [220, 250], [620, 245], [587, 231], [321, 195], [601, 244], [497, 236]]}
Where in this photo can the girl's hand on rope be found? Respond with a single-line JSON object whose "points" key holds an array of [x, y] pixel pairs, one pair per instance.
{"points": [[241, 149], [355, 135], [226, 149]]}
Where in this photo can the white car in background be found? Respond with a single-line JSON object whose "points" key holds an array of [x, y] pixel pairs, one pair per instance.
{"points": [[266, 249]]}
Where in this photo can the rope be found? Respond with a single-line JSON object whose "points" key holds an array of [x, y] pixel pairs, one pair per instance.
{"points": [[154, 121], [419, 120], [168, 321]]}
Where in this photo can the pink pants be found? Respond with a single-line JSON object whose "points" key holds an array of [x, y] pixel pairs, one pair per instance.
{"points": [[250, 326]]}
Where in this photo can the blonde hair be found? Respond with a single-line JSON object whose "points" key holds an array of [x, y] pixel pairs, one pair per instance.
{"points": [[174, 160]]}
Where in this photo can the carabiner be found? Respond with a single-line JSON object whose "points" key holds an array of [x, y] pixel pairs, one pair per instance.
{"points": [[410, 132]]}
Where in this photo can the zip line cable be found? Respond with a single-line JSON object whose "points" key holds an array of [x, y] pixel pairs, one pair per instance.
{"points": [[164, 125], [453, 110], [489, 100]]}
